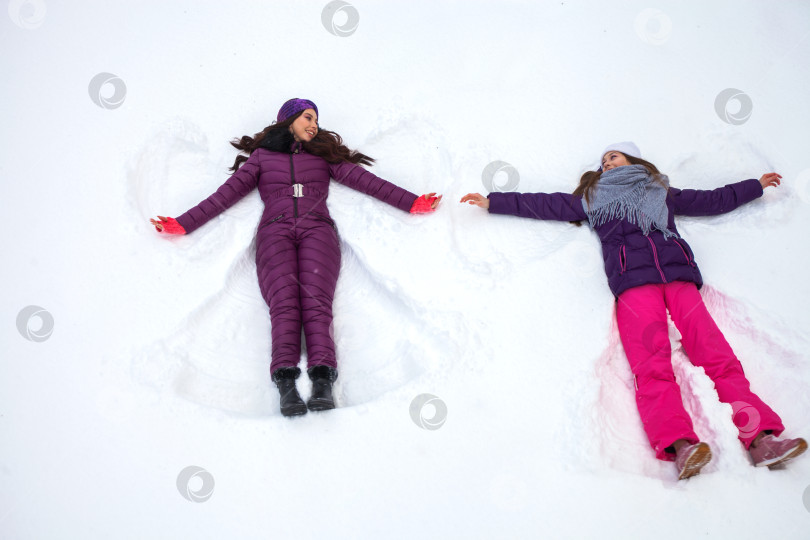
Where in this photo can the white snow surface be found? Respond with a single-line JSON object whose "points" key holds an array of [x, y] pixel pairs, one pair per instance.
{"points": [[159, 354]]}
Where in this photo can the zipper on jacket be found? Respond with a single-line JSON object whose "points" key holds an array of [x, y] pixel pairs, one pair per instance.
{"points": [[272, 221], [685, 254], [292, 178], [325, 220], [655, 256], [622, 260]]}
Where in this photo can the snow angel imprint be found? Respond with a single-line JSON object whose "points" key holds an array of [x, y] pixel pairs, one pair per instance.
{"points": [[651, 269], [297, 251]]}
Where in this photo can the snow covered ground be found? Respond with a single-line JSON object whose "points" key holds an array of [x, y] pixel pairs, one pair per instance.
{"points": [[159, 351]]}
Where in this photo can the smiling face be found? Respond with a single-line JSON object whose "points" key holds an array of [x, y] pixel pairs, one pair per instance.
{"points": [[613, 159], [305, 127]]}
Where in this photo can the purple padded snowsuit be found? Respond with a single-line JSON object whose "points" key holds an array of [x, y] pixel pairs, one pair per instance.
{"points": [[297, 249]]}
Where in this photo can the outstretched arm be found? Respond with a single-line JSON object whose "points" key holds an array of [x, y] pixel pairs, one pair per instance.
{"points": [[356, 177], [712, 202], [553, 206], [242, 182]]}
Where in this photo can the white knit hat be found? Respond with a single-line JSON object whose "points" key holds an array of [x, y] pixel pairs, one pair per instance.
{"points": [[627, 148]]}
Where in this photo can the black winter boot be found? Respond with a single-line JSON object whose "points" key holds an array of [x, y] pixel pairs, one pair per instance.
{"points": [[291, 402], [322, 379]]}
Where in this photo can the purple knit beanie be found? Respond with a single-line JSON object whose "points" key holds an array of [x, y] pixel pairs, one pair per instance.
{"points": [[294, 106]]}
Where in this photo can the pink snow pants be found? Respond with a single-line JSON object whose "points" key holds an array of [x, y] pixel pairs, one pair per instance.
{"points": [[641, 313]]}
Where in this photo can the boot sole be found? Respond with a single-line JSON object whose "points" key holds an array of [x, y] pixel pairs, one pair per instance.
{"points": [[777, 461], [320, 404], [701, 455], [298, 410]]}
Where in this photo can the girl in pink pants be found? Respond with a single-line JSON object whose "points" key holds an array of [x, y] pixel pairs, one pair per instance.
{"points": [[652, 270], [641, 313]]}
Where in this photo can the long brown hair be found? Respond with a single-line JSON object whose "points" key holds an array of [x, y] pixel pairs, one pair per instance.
{"points": [[588, 181], [277, 137]]}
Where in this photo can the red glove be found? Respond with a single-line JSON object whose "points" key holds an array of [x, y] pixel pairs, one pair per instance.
{"points": [[168, 225], [423, 205]]}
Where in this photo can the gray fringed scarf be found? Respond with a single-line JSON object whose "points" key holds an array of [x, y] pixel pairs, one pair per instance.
{"points": [[630, 192]]}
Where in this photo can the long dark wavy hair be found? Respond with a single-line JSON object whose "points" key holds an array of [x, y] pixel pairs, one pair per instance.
{"points": [[278, 138], [588, 181]]}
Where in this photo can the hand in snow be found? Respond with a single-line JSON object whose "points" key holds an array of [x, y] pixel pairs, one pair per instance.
{"points": [[770, 179], [476, 199], [425, 204], [168, 225]]}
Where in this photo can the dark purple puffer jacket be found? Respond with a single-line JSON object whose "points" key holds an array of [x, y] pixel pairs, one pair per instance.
{"points": [[275, 174], [297, 246], [632, 259]]}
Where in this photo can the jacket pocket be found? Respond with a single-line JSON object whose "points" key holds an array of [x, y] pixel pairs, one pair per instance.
{"points": [[685, 253], [271, 221], [325, 219], [622, 259]]}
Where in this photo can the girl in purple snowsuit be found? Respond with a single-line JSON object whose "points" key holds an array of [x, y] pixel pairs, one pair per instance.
{"points": [[297, 249], [650, 270]]}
